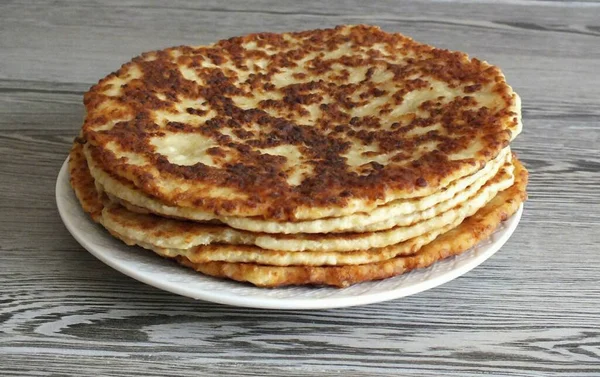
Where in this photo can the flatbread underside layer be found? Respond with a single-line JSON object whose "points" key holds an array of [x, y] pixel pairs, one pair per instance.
{"points": [[470, 232], [158, 233], [467, 234], [176, 234]]}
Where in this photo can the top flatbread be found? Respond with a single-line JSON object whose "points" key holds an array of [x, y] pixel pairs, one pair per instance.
{"points": [[295, 126]]}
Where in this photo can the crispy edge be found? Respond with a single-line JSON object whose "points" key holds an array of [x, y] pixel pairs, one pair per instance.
{"points": [[83, 184]]}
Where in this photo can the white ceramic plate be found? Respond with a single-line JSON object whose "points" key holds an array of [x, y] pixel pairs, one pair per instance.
{"points": [[147, 267]]}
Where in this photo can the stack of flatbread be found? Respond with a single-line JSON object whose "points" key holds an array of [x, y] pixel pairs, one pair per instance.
{"points": [[325, 157]]}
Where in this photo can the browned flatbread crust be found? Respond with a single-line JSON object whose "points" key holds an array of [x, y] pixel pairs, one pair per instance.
{"points": [[473, 230]]}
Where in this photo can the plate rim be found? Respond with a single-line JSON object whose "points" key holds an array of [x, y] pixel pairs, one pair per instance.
{"points": [[63, 190]]}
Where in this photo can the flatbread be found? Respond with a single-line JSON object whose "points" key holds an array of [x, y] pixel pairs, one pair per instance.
{"points": [[299, 126]]}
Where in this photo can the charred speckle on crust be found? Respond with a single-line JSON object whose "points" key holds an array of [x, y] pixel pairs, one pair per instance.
{"points": [[472, 88], [268, 90]]}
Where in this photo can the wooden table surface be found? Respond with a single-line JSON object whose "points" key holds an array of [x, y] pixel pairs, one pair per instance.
{"points": [[533, 309]]}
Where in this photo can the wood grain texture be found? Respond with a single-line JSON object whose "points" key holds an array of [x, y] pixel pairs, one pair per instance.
{"points": [[531, 310]]}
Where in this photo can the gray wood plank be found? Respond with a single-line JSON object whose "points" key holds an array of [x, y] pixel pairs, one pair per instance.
{"points": [[531, 310]]}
